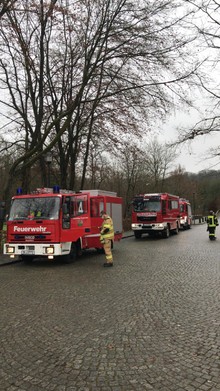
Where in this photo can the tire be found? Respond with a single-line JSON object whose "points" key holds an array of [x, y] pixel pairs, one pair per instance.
{"points": [[137, 234], [166, 232], [100, 250], [71, 257]]}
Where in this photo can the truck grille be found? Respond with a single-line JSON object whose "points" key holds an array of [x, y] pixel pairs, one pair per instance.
{"points": [[26, 238], [146, 218]]}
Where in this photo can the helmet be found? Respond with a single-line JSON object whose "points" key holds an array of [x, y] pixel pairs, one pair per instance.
{"points": [[211, 212]]}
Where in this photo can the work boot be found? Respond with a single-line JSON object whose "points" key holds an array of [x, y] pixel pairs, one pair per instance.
{"points": [[108, 264]]}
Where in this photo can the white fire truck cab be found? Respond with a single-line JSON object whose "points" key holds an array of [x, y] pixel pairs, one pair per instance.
{"points": [[155, 213], [52, 223]]}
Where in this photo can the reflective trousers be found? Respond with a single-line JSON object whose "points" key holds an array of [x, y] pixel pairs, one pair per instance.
{"points": [[108, 252], [211, 231]]}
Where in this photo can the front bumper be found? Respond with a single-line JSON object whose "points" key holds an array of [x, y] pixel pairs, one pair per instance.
{"points": [[148, 227], [49, 250]]}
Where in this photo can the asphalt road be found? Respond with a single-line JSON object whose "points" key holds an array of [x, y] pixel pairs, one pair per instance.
{"points": [[152, 322]]}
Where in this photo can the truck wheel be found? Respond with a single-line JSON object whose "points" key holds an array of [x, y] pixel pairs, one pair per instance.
{"points": [[137, 234], [100, 250], [166, 232], [71, 257]]}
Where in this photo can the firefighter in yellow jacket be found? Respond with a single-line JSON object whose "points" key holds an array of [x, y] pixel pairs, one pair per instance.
{"points": [[106, 237], [212, 223]]}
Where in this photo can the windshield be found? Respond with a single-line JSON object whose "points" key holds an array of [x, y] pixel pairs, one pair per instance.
{"points": [[35, 208], [147, 205]]}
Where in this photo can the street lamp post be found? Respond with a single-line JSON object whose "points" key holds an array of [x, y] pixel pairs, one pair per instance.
{"points": [[48, 160]]}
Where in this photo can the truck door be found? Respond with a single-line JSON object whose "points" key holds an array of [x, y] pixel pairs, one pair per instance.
{"points": [[80, 212], [96, 206], [75, 211]]}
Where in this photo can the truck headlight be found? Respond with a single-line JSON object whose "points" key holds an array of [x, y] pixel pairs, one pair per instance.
{"points": [[50, 250], [10, 249]]}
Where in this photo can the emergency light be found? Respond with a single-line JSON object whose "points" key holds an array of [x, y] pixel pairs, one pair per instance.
{"points": [[56, 189], [19, 191]]}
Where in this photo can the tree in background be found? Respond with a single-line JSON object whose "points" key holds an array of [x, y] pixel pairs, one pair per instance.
{"points": [[205, 18], [131, 166], [136, 168], [85, 72], [6, 6], [208, 190], [158, 161]]}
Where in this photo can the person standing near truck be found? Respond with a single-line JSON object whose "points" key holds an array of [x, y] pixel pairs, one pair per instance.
{"points": [[212, 223], [106, 237]]}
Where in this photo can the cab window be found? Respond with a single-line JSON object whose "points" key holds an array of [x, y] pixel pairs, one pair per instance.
{"points": [[79, 205], [96, 206]]}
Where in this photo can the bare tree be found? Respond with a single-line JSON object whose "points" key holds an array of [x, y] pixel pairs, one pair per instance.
{"points": [[131, 164], [6, 6], [84, 71], [158, 160], [206, 17]]}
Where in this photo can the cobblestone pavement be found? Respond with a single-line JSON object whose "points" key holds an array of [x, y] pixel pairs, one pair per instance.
{"points": [[152, 322]]}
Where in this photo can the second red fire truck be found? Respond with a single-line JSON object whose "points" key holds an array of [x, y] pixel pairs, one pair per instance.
{"points": [[54, 223], [155, 213]]}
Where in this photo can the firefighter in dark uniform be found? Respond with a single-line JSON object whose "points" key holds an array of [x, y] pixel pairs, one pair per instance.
{"points": [[106, 237], [212, 223]]}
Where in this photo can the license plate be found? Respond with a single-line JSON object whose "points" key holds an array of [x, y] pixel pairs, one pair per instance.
{"points": [[28, 252]]}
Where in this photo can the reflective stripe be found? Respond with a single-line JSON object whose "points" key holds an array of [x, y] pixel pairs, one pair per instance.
{"points": [[212, 221]]}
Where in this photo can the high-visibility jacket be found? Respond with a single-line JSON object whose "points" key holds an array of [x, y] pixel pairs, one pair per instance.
{"points": [[212, 221], [107, 229]]}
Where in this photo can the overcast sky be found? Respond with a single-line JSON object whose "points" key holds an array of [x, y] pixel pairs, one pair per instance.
{"points": [[194, 156]]}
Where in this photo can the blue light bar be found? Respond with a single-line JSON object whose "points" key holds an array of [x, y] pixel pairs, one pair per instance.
{"points": [[56, 189], [19, 191]]}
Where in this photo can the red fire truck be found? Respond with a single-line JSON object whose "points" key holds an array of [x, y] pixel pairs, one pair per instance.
{"points": [[185, 214], [53, 222], [155, 213]]}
